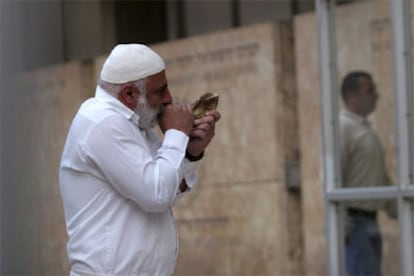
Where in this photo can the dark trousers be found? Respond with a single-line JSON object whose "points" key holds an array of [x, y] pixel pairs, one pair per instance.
{"points": [[363, 245]]}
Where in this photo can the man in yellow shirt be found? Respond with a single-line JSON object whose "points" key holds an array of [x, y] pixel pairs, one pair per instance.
{"points": [[363, 165]]}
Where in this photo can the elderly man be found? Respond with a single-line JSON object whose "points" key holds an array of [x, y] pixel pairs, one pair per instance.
{"points": [[118, 182]]}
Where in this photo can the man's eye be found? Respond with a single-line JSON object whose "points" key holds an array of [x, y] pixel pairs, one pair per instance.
{"points": [[161, 91]]}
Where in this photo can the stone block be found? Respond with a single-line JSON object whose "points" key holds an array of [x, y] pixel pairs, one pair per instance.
{"points": [[241, 219], [245, 67], [238, 229], [44, 103]]}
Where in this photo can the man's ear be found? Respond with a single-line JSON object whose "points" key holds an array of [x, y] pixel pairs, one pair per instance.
{"points": [[351, 99], [128, 95]]}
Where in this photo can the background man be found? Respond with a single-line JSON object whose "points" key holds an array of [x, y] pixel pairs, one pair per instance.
{"points": [[363, 165], [118, 181]]}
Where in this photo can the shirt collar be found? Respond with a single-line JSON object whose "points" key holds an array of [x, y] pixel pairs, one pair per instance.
{"points": [[355, 117], [103, 96]]}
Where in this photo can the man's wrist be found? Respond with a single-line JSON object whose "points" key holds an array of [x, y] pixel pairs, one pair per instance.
{"points": [[193, 158]]}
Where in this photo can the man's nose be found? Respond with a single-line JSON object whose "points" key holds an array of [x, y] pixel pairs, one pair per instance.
{"points": [[167, 98]]}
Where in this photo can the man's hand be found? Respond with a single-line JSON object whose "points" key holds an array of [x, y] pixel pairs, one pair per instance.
{"points": [[176, 116], [202, 132]]}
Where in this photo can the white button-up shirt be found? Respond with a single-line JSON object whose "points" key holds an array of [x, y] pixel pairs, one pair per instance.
{"points": [[118, 184]]}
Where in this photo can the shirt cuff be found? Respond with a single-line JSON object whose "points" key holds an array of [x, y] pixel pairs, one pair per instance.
{"points": [[176, 139], [190, 173]]}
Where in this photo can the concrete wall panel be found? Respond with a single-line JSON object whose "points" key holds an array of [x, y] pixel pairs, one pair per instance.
{"points": [[234, 230], [241, 219], [44, 104], [241, 66]]}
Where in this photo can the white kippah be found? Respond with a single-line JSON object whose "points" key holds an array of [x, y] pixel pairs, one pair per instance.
{"points": [[131, 62]]}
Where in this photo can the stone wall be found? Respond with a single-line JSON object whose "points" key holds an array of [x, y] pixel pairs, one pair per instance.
{"points": [[241, 219], [41, 109]]}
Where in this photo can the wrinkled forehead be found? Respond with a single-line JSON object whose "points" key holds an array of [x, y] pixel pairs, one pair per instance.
{"points": [[156, 81]]}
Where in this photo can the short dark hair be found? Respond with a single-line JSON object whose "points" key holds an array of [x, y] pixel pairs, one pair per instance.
{"points": [[350, 83]]}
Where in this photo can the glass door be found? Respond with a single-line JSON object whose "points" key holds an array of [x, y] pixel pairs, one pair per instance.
{"points": [[365, 55]]}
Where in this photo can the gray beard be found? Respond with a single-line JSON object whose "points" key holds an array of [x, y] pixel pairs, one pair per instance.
{"points": [[147, 114]]}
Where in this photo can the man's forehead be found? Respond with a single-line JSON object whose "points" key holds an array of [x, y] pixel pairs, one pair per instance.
{"points": [[157, 81], [366, 81], [159, 77]]}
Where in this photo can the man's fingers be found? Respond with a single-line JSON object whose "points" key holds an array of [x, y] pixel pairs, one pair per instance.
{"points": [[203, 131], [216, 115]]}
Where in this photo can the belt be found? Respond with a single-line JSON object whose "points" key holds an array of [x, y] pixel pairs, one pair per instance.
{"points": [[360, 212]]}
